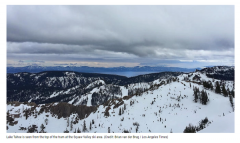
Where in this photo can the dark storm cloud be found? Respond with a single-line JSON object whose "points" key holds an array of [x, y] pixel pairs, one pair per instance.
{"points": [[127, 32]]}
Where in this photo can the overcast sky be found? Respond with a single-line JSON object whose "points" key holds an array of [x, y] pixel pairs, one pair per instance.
{"points": [[111, 36]]}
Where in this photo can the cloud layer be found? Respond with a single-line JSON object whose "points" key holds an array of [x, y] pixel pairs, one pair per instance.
{"points": [[120, 34]]}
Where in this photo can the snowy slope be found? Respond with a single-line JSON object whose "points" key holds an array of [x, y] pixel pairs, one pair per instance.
{"points": [[175, 115], [223, 124], [163, 105]]}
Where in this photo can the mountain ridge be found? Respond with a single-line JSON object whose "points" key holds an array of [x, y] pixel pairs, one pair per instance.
{"points": [[48, 82], [109, 106], [36, 69]]}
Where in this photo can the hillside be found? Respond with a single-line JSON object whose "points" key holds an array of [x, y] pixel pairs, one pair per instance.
{"points": [[163, 105], [56, 86]]}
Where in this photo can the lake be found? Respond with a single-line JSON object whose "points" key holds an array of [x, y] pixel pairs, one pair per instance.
{"points": [[127, 74]]}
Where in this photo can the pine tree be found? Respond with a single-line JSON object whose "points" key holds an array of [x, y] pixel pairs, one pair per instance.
{"points": [[84, 126], [120, 112], [224, 91], [108, 129], [231, 101], [190, 129], [137, 126], [90, 127], [66, 131], [204, 97], [211, 86], [42, 127], [71, 125], [26, 113], [125, 106], [195, 97], [232, 93], [217, 90], [46, 121], [78, 130], [195, 91], [68, 122], [228, 91], [204, 84]]}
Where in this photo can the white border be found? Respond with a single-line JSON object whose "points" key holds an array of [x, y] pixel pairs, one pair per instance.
{"points": [[211, 137]]}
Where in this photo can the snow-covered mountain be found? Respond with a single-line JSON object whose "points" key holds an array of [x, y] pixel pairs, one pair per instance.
{"points": [[180, 102], [220, 72], [56, 86]]}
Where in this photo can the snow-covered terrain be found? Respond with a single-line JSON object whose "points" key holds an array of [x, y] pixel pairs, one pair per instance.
{"points": [[223, 124], [164, 106]]}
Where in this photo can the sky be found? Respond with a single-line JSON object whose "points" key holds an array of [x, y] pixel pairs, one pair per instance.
{"points": [[112, 36]]}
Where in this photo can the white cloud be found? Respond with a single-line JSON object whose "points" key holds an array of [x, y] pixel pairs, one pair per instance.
{"points": [[120, 34]]}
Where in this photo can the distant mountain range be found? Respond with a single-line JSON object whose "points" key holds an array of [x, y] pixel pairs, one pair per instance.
{"points": [[36, 69]]}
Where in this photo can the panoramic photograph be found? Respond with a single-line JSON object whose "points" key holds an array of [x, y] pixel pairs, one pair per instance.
{"points": [[120, 69]]}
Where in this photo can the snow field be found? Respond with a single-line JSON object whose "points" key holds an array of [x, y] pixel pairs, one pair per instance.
{"points": [[175, 115]]}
